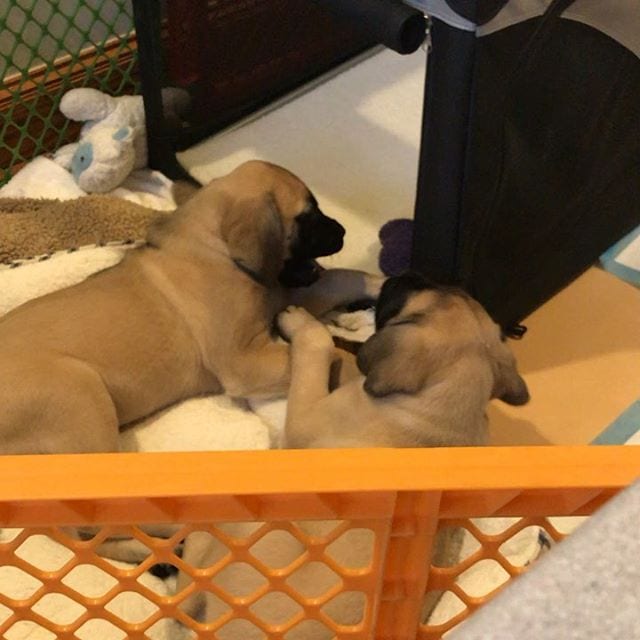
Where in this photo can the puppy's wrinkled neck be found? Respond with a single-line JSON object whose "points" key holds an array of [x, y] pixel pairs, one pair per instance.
{"points": [[193, 229]]}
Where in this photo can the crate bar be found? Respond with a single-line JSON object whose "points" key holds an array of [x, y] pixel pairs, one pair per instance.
{"points": [[131, 475]]}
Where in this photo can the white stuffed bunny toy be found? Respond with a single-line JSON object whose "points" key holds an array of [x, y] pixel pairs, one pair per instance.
{"points": [[104, 158], [113, 140]]}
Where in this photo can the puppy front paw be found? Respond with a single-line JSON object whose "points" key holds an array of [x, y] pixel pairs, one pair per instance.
{"points": [[292, 320], [297, 324]]}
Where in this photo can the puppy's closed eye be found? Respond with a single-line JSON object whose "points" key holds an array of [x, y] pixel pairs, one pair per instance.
{"points": [[413, 318]]}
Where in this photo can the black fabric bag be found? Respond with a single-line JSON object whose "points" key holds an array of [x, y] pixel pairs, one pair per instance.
{"points": [[530, 161]]}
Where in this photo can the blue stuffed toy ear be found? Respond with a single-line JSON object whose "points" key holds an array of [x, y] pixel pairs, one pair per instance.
{"points": [[122, 133], [82, 159]]}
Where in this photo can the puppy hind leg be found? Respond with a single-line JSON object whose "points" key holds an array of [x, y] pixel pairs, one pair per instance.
{"points": [[87, 422], [79, 415], [260, 372]]}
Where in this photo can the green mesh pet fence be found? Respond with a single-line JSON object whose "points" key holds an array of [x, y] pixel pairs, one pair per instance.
{"points": [[46, 48]]}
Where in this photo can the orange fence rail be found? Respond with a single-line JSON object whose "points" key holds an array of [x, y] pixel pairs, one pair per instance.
{"points": [[400, 497]]}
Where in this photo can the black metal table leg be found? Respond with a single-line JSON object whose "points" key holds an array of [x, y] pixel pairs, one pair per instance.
{"points": [[161, 144], [443, 152]]}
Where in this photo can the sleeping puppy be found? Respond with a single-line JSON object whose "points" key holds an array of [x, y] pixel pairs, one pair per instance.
{"points": [[427, 375], [428, 372], [189, 313]]}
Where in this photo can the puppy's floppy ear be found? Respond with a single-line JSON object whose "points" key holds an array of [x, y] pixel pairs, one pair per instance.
{"points": [[253, 231], [391, 365], [508, 383]]}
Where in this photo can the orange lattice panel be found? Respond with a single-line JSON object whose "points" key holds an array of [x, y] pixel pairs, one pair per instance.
{"points": [[317, 505]]}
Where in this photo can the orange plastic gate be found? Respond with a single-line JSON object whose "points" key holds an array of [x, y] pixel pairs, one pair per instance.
{"points": [[400, 496]]}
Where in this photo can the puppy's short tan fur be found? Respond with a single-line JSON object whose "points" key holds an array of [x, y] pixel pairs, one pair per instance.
{"points": [[428, 374], [189, 313]]}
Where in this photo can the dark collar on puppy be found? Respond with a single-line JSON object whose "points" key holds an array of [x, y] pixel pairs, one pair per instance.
{"points": [[256, 277]]}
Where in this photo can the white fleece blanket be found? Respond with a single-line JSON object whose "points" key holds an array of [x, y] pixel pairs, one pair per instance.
{"points": [[44, 178]]}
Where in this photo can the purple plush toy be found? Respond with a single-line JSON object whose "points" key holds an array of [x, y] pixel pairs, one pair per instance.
{"points": [[396, 237]]}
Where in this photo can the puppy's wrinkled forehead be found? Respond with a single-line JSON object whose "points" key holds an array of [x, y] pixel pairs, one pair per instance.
{"points": [[413, 299], [400, 295], [257, 179]]}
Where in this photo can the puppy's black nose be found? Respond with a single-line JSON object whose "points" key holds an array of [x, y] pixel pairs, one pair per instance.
{"points": [[318, 235], [330, 239]]}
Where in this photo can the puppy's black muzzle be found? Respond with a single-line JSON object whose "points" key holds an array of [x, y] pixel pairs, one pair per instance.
{"points": [[316, 235], [299, 272]]}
